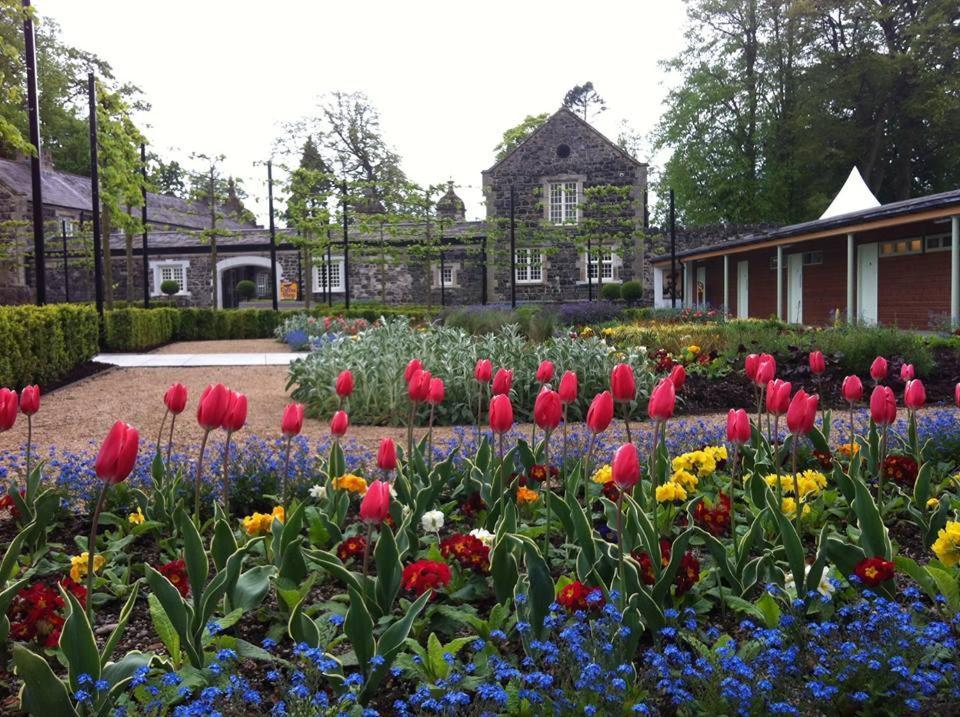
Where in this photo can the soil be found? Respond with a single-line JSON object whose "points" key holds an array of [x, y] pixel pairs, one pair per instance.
{"points": [[238, 346]]}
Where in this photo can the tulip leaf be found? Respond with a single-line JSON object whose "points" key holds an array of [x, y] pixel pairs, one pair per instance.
{"points": [[251, 587], [301, 627], [873, 533], [921, 489], [790, 540], [390, 642], [77, 643], [389, 571], [195, 557], [223, 544], [503, 569], [164, 628], [11, 555], [542, 591], [43, 692], [358, 627]]}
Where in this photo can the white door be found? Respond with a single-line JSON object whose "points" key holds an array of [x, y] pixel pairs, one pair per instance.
{"points": [[795, 288], [867, 259], [701, 287], [743, 289]]}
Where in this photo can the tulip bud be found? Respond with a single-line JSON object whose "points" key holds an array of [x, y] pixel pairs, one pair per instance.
{"points": [[292, 422], [547, 409], [623, 385], [766, 370], [626, 466], [418, 387], [483, 370], [569, 387], [339, 424], [545, 372], [956, 395], [502, 381], [817, 364], [236, 414], [678, 374], [375, 506], [878, 369], [176, 398], [738, 426], [852, 389], [906, 372], [10, 404], [914, 395], [600, 413], [387, 455], [501, 413], [435, 391], [662, 401], [883, 406], [212, 406], [802, 413], [30, 400], [344, 385], [118, 454], [778, 396], [412, 367]]}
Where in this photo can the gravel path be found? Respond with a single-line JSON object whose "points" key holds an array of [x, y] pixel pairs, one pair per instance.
{"points": [[240, 346]]}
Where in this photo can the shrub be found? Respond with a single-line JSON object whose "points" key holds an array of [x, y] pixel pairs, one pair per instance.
{"points": [[610, 292], [136, 329], [170, 287], [631, 291], [246, 289], [42, 344]]}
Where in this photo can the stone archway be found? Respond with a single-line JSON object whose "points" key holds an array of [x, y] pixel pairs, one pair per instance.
{"points": [[236, 261]]}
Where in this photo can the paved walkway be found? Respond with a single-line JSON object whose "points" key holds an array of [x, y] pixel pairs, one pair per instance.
{"points": [[157, 360]]}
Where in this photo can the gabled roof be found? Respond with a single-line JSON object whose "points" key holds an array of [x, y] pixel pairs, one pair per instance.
{"points": [[563, 111], [854, 196], [72, 191]]}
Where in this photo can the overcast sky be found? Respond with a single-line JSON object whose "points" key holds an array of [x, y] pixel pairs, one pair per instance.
{"points": [[447, 77]]}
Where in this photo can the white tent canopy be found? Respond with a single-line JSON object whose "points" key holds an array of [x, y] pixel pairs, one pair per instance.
{"points": [[854, 196]]}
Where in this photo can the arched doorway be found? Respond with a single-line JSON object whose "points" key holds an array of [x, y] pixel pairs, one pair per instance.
{"points": [[237, 268]]}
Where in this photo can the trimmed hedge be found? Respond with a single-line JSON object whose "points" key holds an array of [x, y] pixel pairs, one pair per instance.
{"points": [[134, 329], [42, 344]]}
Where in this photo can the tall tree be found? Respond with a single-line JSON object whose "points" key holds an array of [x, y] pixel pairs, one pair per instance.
{"points": [[583, 99], [516, 134], [209, 186], [167, 177]]}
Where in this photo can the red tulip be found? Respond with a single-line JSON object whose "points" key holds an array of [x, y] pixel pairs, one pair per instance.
{"points": [[750, 365], [778, 396], [626, 466], [483, 370], [387, 455], [547, 409], [30, 400], [852, 389], [600, 413], [883, 406], [817, 364], [9, 405], [766, 370], [292, 422], [501, 413], [906, 372], [344, 385], [176, 398], [212, 407], [878, 369], [118, 454], [678, 374], [914, 395], [418, 387], [545, 372], [502, 381], [435, 391], [375, 506], [339, 424], [956, 395], [662, 401], [623, 385], [802, 413], [738, 426], [412, 367], [236, 414], [569, 387]]}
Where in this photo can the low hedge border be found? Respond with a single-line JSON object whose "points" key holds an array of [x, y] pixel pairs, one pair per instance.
{"points": [[42, 344]]}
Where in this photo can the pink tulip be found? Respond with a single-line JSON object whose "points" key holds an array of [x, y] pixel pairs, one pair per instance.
{"points": [[662, 401], [778, 396], [118, 453], [344, 385], [852, 389], [883, 406], [750, 366], [802, 413], [600, 413], [906, 372], [10, 405], [387, 455], [626, 466], [375, 506], [914, 395], [545, 372], [292, 422], [547, 409], [678, 374], [878, 369], [435, 391], [502, 381], [339, 424], [418, 387], [236, 413], [738, 427], [176, 398], [623, 385], [30, 400], [817, 364], [483, 370], [212, 406], [501, 413], [956, 395], [569, 387], [414, 365], [766, 370]]}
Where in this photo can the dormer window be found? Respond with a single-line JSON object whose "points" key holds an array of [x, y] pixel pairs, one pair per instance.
{"points": [[564, 202]]}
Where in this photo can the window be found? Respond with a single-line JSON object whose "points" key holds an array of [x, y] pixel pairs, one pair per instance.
{"points": [[67, 227], [170, 271], [564, 200], [529, 266], [263, 284], [451, 272], [901, 247], [609, 266], [320, 276], [812, 258], [938, 242]]}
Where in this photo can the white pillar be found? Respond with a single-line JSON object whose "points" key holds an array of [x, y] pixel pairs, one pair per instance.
{"points": [[850, 278], [657, 287], [726, 283], [780, 283], [955, 270], [687, 270]]}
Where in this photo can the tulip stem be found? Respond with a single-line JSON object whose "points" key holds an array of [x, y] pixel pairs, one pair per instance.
{"points": [[796, 483], [92, 548], [173, 421], [623, 570], [163, 422], [479, 409], [430, 439], [653, 473], [225, 480], [29, 441], [366, 550], [563, 449], [883, 459], [626, 421], [203, 448], [413, 416], [546, 492], [286, 475], [852, 434], [734, 476]]}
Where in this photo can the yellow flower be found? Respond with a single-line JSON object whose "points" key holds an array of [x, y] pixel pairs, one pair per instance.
{"points": [[78, 565], [136, 518], [703, 462], [847, 449], [586, 332], [525, 495], [608, 331], [685, 479], [947, 545], [933, 503], [670, 492], [261, 523], [693, 349], [718, 452], [789, 508], [603, 475], [352, 483]]}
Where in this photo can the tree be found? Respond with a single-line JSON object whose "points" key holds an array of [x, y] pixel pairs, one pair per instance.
{"points": [[210, 187], [12, 114], [582, 99], [515, 135], [167, 177]]}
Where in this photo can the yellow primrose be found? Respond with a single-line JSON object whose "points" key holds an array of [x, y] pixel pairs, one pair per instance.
{"points": [[685, 479], [603, 475], [670, 492], [693, 349], [789, 508], [136, 518], [352, 483], [78, 565], [947, 545], [933, 503], [261, 523], [525, 495]]}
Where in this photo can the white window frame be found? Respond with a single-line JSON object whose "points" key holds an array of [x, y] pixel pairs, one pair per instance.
{"points": [[157, 267], [615, 262], [528, 271], [263, 284], [453, 267], [336, 262], [569, 212]]}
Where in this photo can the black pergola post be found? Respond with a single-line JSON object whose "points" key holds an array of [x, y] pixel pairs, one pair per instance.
{"points": [[143, 221], [513, 249], [346, 251], [673, 254], [33, 112], [95, 197], [326, 279], [483, 280], [589, 278], [66, 261], [443, 298], [273, 239]]}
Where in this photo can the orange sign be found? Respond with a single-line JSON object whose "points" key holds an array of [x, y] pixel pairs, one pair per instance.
{"points": [[288, 291]]}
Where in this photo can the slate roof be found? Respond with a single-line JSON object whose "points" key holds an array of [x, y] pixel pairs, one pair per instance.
{"points": [[72, 191]]}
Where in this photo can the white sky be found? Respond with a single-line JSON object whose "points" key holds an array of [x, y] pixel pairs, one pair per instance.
{"points": [[447, 77]]}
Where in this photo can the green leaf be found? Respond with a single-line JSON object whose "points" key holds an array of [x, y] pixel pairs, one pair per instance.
{"points": [[251, 587], [302, 628], [358, 627], [223, 544], [389, 645], [504, 569], [790, 540], [542, 591], [947, 584], [195, 557], [770, 610], [77, 642], [389, 571], [164, 628], [873, 533], [43, 693], [11, 555]]}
